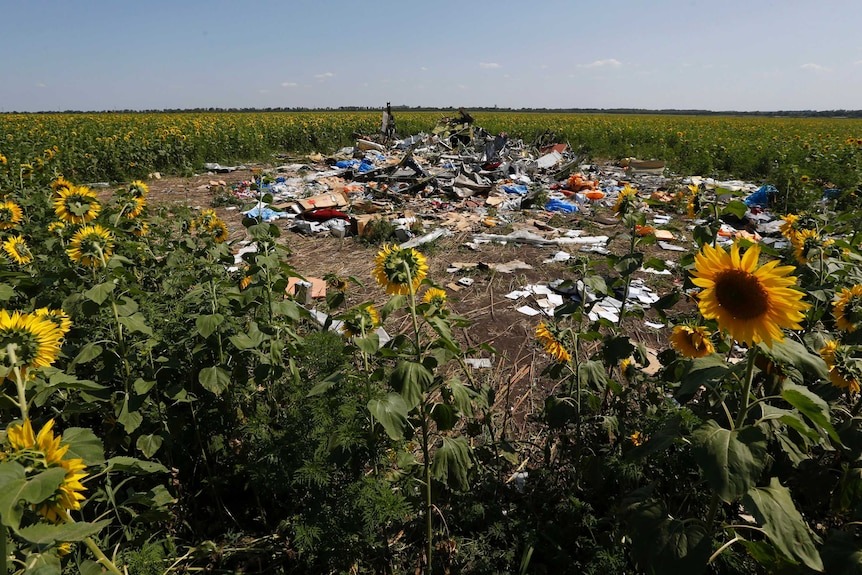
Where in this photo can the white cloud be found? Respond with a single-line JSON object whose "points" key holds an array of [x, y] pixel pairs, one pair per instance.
{"points": [[607, 63], [289, 84], [424, 69], [489, 65], [815, 67], [41, 85], [324, 76], [264, 91], [857, 63]]}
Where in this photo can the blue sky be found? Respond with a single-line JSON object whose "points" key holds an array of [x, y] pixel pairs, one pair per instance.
{"points": [[716, 54]]}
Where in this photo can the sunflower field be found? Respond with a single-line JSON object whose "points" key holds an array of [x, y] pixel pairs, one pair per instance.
{"points": [[167, 407], [120, 147]]}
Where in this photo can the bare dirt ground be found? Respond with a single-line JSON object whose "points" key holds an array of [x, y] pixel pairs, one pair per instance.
{"points": [[493, 318]]}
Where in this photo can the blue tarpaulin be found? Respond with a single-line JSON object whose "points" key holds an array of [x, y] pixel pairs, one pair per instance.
{"points": [[762, 196], [555, 205]]}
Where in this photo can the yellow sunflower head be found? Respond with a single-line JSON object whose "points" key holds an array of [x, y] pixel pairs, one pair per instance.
{"points": [[790, 227], [91, 246], [36, 340], [16, 248], [76, 205], [58, 317], [3, 160], [807, 243], [140, 228], [845, 370], [218, 231], [637, 438], [134, 207], [551, 341], [57, 227], [847, 308], [43, 451], [805, 179], [400, 270], [245, 282], [61, 183], [10, 214], [827, 352], [626, 200], [204, 220], [692, 341], [751, 302], [26, 170], [435, 296], [360, 320], [138, 189]]}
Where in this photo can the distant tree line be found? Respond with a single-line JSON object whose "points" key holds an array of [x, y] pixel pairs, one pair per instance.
{"points": [[666, 111]]}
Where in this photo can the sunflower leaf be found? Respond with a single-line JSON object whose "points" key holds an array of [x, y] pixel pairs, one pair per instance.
{"points": [[214, 379], [16, 490], [100, 292], [732, 461], [411, 380], [452, 462], [46, 534], [796, 354], [391, 412], [206, 324], [812, 406], [775, 512], [84, 444]]}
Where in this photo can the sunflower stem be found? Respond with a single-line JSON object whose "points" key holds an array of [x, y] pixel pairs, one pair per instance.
{"points": [[426, 454], [101, 558], [19, 381], [746, 390]]}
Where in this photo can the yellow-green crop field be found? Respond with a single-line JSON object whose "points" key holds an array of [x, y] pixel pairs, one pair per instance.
{"points": [[115, 146]]}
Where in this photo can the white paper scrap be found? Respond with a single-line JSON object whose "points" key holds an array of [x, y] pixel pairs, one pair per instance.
{"points": [[527, 310]]}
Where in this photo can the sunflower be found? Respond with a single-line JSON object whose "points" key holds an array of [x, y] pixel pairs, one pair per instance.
{"points": [[76, 205], [56, 316], [140, 228], [245, 282], [57, 227], [847, 308], [218, 231], [138, 189], [91, 246], [692, 341], [637, 438], [16, 248], [806, 241], [36, 339], [400, 269], [751, 302], [10, 214], [805, 179], [435, 296], [134, 207], [3, 160], [827, 352], [44, 451], [843, 369], [360, 320], [552, 344], [205, 220], [61, 183], [625, 200], [789, 228], [26, 171]]}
